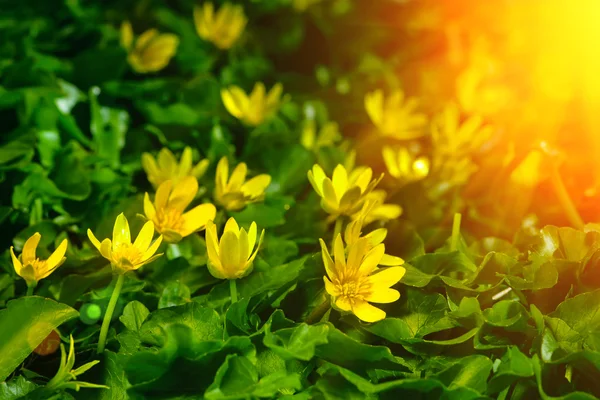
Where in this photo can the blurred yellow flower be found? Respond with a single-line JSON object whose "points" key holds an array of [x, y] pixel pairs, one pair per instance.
{"points": [[528, 172], [404, 166], [231, 257], [256, 108], [234, 193], [381, 211], [123, 255], [166, 167], [355, 281], [327, 136], [395, 117], [451, 137], [151, 51], [31, 268], [168, 214], [343, 193], [222, 28]]}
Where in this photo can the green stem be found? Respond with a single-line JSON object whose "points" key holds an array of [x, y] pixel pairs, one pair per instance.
{"points": [[318, 312], [455, 231], [336, 231], [233, 290], [109, 312], [565, 200], [30, 288]]}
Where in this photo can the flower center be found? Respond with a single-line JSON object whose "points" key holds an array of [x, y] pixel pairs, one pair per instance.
{"points": [[169, 219], [353, 287], [127, 254]]}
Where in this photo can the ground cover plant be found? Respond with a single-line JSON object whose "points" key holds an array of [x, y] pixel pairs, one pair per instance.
{"points": [[309, 199]]}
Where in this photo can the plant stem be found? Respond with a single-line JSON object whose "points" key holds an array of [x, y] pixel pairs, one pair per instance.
{"points": [[109, 312], [30, 288], [455, 231], [336, 231], [565, 200], [233, 290], [318, 312]]}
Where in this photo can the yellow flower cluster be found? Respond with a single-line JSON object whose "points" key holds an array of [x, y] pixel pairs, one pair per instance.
{"points": [[395, 116], [151, 51], [222, 28]]}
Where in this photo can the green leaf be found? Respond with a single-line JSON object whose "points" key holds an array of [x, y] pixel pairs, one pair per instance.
{"points": [[26, 323], [513, 366], [16, 388], [108, 127], [134, 315], [174, 294], [238, 379], [297, 343]]}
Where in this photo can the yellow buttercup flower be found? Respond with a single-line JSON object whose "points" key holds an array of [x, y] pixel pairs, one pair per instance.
{"points": [[30, 267], [256, 108], [355, 281], [222, 28], [327, 136], [451, 137], [234, 192], [166, 167], [123, 255], [231, 257], [353, 234], [381, 211], [395, 117], [151, 51], [168, 214], [403, 166], [343, 193]]}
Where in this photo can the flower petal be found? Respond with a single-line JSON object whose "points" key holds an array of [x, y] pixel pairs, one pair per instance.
{"points": [[327, 261], [56, 257], [142, 242], [372, 259], [243, 246], [256, 186], [229, 251], [339, 253], [387, 277], [197, 218], [340, 180], [330, 288], [343, 304], [29, 248], [16, 263], [121, 233], [383, 295], [252, 236], [391, 261], [152, 249], [161, 198], [183, 193], [151, 168], [185, 162], [232, 226], [93, 239], [106, 249], [366, 312], [149, 209], [238, 176]]}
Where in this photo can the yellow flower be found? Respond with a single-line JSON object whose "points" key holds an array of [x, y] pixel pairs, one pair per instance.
{"points": [[404, 166], [234, 193], [395, 117], [151, 51], [170, 202], [256, 108], [167, 168], [353, 232], [355, 281], [343, 194], [31, 268], [528, 172], [451, 137], [123, 255], [222, 28], [232, 256], [328, 135], [381, 211]]}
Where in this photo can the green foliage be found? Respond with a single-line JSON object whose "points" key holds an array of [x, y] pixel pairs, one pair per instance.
{"points": [[502, 315]]}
